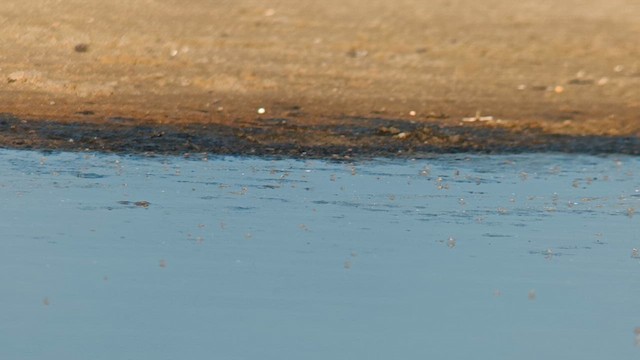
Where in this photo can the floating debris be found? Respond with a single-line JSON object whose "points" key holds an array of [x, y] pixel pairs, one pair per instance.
{"points": [[451, 242], [46, 301], [143, 204], [163, 263], [548, 254], [532, 295], [630, 212]]}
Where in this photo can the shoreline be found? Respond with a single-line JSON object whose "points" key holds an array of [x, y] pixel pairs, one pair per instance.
{"points": [[353, 138]]}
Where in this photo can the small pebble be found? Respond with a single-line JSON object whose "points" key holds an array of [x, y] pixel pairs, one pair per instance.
{"points": [[81, 48]]}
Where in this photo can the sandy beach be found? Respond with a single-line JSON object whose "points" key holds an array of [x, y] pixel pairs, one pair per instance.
{"points": [[326, 78]]}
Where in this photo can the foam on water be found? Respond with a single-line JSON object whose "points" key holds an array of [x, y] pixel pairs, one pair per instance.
{"points": [[501, 257]]}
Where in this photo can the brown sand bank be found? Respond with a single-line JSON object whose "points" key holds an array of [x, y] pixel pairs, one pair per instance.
{"points": [[348, 77]]}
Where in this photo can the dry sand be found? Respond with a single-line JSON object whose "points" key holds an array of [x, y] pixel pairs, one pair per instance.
{"points": [[333, 77]]}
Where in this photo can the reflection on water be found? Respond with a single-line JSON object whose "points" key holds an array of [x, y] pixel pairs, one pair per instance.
{"points": [[519, 257]]}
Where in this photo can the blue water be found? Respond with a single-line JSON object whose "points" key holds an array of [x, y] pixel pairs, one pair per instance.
{"points": [[456, 257]]}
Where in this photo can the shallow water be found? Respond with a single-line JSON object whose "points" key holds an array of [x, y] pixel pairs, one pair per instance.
{"points": [[457, 257]]}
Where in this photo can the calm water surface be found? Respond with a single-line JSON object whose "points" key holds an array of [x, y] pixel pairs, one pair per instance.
{"points": [[457, 257]]}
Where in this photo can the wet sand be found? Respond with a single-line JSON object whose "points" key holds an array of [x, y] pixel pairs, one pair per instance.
{"points": [[335, 78]]}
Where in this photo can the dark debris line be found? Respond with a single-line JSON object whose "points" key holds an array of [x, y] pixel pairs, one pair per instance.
{"points": [[365, 138]]}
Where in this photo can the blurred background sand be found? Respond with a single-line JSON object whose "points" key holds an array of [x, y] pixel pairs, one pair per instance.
{"points": [[567, 66]]}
